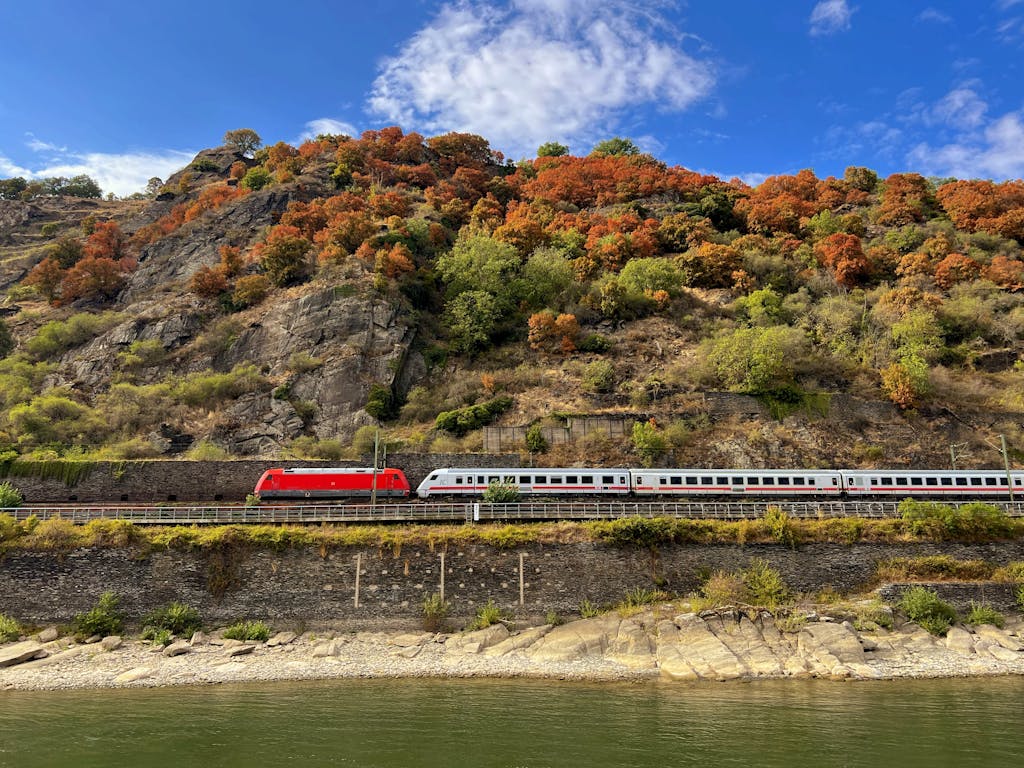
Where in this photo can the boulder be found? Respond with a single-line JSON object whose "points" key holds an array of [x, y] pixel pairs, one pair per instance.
{"points": [[999, 637], [111, 643], [177, 648], [281, 638], [48, 635], [477, 641], [240, 650], [328, 649], [134, 675], [518, 641], [960, 640], [21, 652], [198, 638], [409, 639]]}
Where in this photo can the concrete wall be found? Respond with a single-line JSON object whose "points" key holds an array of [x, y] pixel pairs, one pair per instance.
{"points": [[205, 481], [307, 586]]}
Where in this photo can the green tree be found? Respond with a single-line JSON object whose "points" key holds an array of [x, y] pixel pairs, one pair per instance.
{"points": [[283, 255], [11, 189], [68, 251], [615, 147], [756, 359], [552, 149], [647, 275], [480, 263], [6, 340], [244, 140], [256, 178], [81, 186], [548, 280], [648, 442], [471, 317]]}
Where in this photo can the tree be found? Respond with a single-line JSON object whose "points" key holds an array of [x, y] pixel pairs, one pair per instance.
{"points": [[106, 241], [11, 189], [244, 140], [648, 441], [479, 263], [283, 255], [617, 146], [6, 340], [256, 178], [81, 186], [45, 277], [153, 186], [552, 149], [842, 255], [95, 277], [471, 318]]}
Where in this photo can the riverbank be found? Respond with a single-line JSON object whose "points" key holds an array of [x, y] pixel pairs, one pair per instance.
{"points": [[715, 645]]}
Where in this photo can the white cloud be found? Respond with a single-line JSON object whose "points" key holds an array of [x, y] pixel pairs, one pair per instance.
{"points": [[934, 14], [528, 71], [326, 125], [961, 108], [830, 16], [121, 174], [997, 152], [1006, 4], [37, 145]]}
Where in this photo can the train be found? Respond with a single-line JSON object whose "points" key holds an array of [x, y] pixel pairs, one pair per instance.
{"points": [[464, 482]]}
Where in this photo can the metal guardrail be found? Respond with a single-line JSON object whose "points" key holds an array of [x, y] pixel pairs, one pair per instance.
{"points": [[462, 512]]}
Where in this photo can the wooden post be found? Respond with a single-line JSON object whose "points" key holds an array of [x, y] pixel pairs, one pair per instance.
{"points": [[359, 567], [522, 582], [442, 577]]}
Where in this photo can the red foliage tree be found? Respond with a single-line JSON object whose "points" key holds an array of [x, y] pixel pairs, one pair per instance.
{"points": [[1006, 273], [842, 255], [781, 203], [106, 241], [46, 278], [985, 206], [956, 268], [95, 278], [906, 198]]}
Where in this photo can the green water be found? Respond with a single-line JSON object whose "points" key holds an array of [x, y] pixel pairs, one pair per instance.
{"points": [[521, 724]]}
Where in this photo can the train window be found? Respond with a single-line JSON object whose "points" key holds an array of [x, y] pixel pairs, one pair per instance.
{"points": [[587, 479], [769, 481], [433, 476], [798, 481], [975, 481], [931, 481], [901, 481], [886, 481], [458, 481], [1002, 481], [783, 481], [753, 481], [916, 481], [571, 479], [693, 480], [947, 481], [723, 480], [556, 481], [677, 480], [493, 478], [707, 481], [540, 480], [525, 480], [737, 481], [608, 479], [991, 481], [662, 481], [1018, 481]]}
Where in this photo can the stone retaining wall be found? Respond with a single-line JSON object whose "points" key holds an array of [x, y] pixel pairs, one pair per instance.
{"points": [[310, 586], [205, 481]]}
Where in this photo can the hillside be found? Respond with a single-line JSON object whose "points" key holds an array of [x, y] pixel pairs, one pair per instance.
{"points": [[287, 301]]}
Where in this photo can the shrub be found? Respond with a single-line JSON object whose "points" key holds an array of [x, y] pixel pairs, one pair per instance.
{"points": [[250, 291], [9, 629], [205, 450], [595, 342], [723, 588], [435, 611], [463, 420], [982, 613], [103, 619], [9, 495], [924, 607], [599, 376], [179, 619], [487, 615], [380, 403], [648, 442], [535, 441], [638, 596], [765, 584], [636, 531], [248, 630], [974, 521], [58, 336], [501, 493], [256, 178], [588, 610], [780, 527], [157, 636]]}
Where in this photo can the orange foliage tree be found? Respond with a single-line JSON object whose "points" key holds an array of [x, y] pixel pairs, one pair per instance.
{"points": [[95, 278], [550, 333], [906, 198], [45, 277], [984, 205], [106, 241], [956, 268], [843, 256], [781, 203]]}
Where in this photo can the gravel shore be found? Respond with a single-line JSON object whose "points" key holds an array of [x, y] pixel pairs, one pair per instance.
{"points": [[685, 647]]}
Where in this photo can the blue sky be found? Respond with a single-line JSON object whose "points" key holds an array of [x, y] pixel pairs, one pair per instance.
{"points": [[129, 90]]}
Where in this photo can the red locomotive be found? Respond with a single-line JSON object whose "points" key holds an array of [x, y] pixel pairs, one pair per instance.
{"points": [[331, 483]]}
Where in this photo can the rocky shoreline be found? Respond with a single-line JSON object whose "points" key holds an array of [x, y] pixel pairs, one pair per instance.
{"points": [[718, 645]]}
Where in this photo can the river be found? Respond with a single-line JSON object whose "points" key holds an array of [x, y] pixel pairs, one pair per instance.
{"points": [[521, 724]]}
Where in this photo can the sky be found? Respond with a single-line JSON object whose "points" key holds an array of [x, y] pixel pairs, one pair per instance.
{"points": [[127, 90]]}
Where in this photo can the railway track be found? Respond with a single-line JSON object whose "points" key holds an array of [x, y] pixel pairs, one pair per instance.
{"points": [[464, 512]]}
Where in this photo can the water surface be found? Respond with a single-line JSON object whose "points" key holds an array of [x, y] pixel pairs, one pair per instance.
{"points": [[521, 724]]}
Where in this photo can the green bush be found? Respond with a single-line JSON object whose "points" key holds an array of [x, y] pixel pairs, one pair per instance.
{"points": [[588, 610], [435, 611], [636, 531], [9, 629], [974, 521], [103, 619], [501, 493], [765, 584], [380, 403], [780, 527], [535, 441], [181, 620], [723, 588], [638, 597], [157, 636], [924, 607], [595, 342], [487, 615], [9, 496], [648, 442], [58, 336], [256, 178], [464, 420], [982, 613], [204, 164], [248, 630], [599, 377]]}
